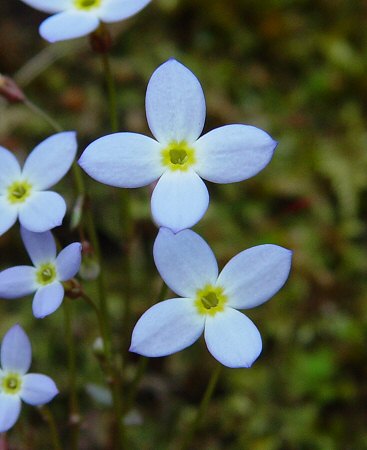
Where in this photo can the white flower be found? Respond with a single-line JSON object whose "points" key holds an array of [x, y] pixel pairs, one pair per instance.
{"points": [[45, 276], [175, 107], [23, 192], [15, 383], [76, 18], [188, 266]]}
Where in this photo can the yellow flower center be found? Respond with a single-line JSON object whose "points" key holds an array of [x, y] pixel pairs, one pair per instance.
{"points": [[19, 191], [87, 4], [11, 383], [178, 156], [46, 274], [210, 300]]}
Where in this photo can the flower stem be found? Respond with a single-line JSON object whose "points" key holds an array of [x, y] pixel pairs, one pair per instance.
{"points": [[46, 117], [202, 408], [49, 418], [111, 89]]}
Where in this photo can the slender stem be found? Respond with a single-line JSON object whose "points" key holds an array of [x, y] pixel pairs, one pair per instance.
{"points": [[74, 411], [49, 418], [202, 408], [111, 89], [46, 117]]}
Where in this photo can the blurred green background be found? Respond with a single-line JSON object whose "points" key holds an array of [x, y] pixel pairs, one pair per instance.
{"points": [[295, 68]]}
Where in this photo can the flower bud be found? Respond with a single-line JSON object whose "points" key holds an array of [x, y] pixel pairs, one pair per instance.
{"points": [[10, 90]]}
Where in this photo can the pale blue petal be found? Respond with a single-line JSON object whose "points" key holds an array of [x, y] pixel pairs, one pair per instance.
{"points": [[68, 261], [38, 389], [123, 160], [253, 276], [16, 351], [115, 10], [8, 215], [17, 282], [68, 25], [50, 160], [10, 406], [175, 104], [233, 153], [185, 261], [232, 338], [49, 6], [41, 247], [10, 169], [42, 211], [179, 200], [166, 328], [47, 299]]}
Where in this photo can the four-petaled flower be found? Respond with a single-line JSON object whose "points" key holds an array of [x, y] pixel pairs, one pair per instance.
{"points": [[45, 277], [23, 192], [188, 266], [76, 18], [15, 383], [175, 107]]}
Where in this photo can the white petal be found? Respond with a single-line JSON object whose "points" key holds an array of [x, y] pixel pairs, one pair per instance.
{"points": [[123, 160], [185, 261], [8, 215], [16, 351], [233, 153], [42, 211], [17, 282], [68, 261], [41, 247], [179, 200], [10, 169], [175, 104], [38, 389], [232, 338], [115, 10], [166, 328], [48, 6], [9, 411], [253, 276], [50, 160], [68, 25], [47, 299]]}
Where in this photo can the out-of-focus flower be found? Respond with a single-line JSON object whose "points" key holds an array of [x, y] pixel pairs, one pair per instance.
{"points": [[45, 277], [188, 266], [175, 107], [23, 192], [75, 18], [15, 383], [10, 90]]}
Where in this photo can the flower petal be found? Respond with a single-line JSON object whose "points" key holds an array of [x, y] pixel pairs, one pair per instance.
{"points": [[38, 389], [47, 299], [10, 406], [123, 160], [233, 153], [253, 276], [185, 261], [68, 25], [179, 200], [50, 160], [17, 282], [68, 261], [41, 247], [8, 215], [10, 169], [42, 211], [166, 328], [16, 351], [47, 5], [115, 10], [175, 104], [232, 338]]}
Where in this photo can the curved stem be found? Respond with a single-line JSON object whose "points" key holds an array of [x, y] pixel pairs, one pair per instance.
{"points": [[46, 117], [49, 418]]}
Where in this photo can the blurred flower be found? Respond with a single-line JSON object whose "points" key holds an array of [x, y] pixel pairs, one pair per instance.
{"points": [[188, 266], [175, 107], [15, 383], [23, 192], [76, 18], [45, 276], [10, 90]]}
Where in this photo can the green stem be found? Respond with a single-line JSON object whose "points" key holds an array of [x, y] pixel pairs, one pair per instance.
{"points": [[46, 117], [111, 90], [49, 418], [202, 408]]}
